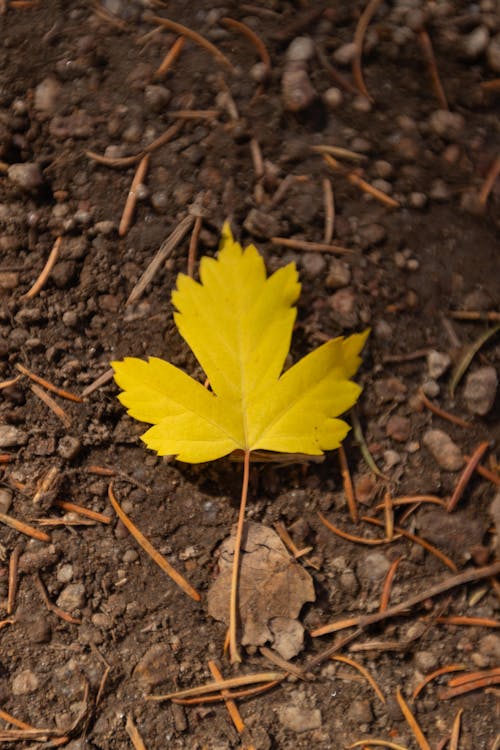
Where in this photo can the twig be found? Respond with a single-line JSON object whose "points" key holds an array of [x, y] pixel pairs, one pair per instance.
{"points": [[134, 735], [469, 355], [334, 74], [437, 673], [363, 671], [426, 46], [169, 58], [252, 37], [235, 694], [350, 537], [73, 508], [179, 28], [10, 382], [230, 704], [466, 475], [455, 731], [12, 720], [486, 473], [320, 247], [490, 677], [53, 405], [257, 160], [355, 179], [285, 185], [233, 605], [419, 735], [441, 412], [24, 528], [483, 622], [13, 570], [348, 486], [475, 315], [44, 275], [149, 549], [329, 204], [218, 685], [127, 161], [386, 589], [338, 151], [489, 181], [163, 253], [359, 35], [283, 664], [360, 439], [131, 201], [49, 386], [53, 607], [193, 245], [106, 377]]}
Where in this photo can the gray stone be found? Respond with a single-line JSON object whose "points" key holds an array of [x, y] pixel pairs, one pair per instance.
{"points": [[313, 264], [437, 363], [301, 49], [299, 719], [489, 646], [25, 682], [11, 436], [343, 306], [446, 453], [297, 90], [69, 447], [261, 225], [426, 661], [46, 95], [339, 274], [27, 175], [373, 566], [447, 124], [480, 390], [475, 43], [72, 597]]}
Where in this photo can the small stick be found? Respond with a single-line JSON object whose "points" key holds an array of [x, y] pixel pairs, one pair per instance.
{"points": [[249, 692], [417, 540], [169, 58], [469, 355], [133, 733], [288, 541], [161, 256], [233, 604], [252, 37], [407, 357], [10, 382], [24, 528], [475, 315], [419, 735], [146, 545], [334, 74], [49, 401], [489, 181], [367, 743], [126, 161], [348, 486], [486, 473], [484, 622], [350, 537], [360, 438], [13, 569], [363, 671], [319, 247], [258, 162], [386, 590], [426, 46], [472, 676], [355, 179], [467, 687], [53, 607], [49, 386], [195, 114], [389, 515], [179, 28], [441, 412], [437, 673], [103, 379], [278, 661], [12, 720], [493, 85], [329, 204], [359, 35], [73, 508], [131, 201], [230, 704], [285, 185], [466, 475], [398, 501], [218, 685], [455, 731], [341, 153], [44, 275], [193, 245], [105, 15]]}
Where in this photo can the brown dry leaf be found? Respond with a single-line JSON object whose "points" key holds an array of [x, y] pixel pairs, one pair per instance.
{"points": [[273, 588]]}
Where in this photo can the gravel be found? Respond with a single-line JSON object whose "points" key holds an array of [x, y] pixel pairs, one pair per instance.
{"points": [[442, 448]]}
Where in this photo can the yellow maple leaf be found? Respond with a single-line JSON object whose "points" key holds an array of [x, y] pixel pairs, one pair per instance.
{"points": [[238, 322]]}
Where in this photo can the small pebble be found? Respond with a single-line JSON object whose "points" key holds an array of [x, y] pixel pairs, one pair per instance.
{"points": [[296, 88], [25, 682], [343, 304], [333, 97], [339, 274], [155, 665], [360, 712], [344, 54], [493, 54], [261, 225], [437, 363], [480, 390], [475, 43], [27, 175], [361, 104], [5, 499], [373, 566], [69, 447], [430, 388], [398, 428], [313, 264], [72, 597], [489, 646], [425, 661], [64, 573], [299, 719], [105, 227], [46, 94], [348, 582], [447, 453], [11, 436], [391, 459], [446, 124], [390, 389], [300, 50], [259, 72]]}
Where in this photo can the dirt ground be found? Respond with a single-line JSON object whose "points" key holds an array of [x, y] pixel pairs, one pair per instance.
{"points": [[79, 77]]}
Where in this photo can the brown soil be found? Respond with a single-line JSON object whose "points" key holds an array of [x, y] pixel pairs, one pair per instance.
{"points": [[414, 264]]}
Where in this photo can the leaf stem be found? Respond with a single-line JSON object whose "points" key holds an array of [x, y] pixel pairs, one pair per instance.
{"points": [[233, 605]]}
